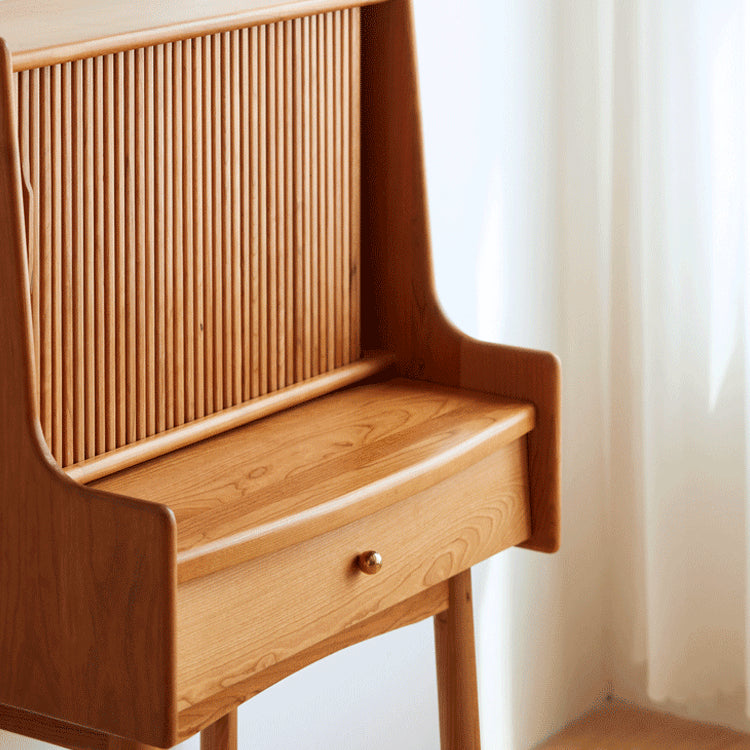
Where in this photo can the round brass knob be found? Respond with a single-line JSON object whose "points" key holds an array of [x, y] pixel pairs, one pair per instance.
{"points": [[370, 562]]}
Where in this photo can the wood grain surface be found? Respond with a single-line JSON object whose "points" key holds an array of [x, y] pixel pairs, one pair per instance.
{"points": [[227, 419], [318, 466], [145, 251], [286, 602], [419, 607], [222, 734], [50, 730], [43, 35], [203, 715], [82, 572], [457, 668]]}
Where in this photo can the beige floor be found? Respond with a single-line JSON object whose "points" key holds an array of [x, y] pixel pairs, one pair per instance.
{"points": [[620, 726]]}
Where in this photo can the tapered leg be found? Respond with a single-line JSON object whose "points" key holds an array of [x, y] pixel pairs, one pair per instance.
{"points": [[457, 669], [222, 734]]}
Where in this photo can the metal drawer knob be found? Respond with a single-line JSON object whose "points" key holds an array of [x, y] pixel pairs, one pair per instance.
{"points": [[370, 562]]}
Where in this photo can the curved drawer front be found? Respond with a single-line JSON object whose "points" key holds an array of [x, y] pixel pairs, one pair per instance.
{"points": [[239, 621]]}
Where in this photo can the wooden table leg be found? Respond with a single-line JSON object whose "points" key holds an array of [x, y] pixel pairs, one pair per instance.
{"points": [[457, 669], [222, 734]]}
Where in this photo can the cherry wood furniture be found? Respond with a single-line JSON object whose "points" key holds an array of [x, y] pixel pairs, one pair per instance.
{"points": [[238, 433]]}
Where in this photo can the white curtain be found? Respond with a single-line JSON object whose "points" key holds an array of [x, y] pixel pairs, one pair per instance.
{"points": [[678, 352], [588, 166]]}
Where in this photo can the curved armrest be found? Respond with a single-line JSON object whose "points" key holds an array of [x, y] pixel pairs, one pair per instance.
{"points": [[523, 374]]}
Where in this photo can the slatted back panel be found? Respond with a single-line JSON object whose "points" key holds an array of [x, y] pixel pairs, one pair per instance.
{"points": [[196, 224]]}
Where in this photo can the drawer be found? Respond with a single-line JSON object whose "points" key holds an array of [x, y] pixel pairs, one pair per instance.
{"points": [[239, 621]]}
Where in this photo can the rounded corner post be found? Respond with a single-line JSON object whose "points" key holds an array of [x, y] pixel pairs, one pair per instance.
{"points": [[17, 402]]}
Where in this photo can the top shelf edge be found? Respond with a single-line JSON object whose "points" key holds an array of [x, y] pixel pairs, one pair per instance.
{"points": [[36, 45]]}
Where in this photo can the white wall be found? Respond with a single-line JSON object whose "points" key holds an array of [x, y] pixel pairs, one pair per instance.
{"points": [[492, 75]]}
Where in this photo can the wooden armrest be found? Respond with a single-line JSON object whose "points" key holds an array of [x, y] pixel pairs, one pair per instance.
{"points": [[318, 466], [518, 373]]}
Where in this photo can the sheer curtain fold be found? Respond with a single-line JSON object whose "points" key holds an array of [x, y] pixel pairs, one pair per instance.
{"points": [[613, 202], [685, 260]]}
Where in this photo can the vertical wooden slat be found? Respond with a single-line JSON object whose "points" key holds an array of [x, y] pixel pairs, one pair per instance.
{"points": [[289, 249], [76, 372], [338, 284], [130, 385], [141, 415], [215, 209], [273, 308], [262, 182], [330, 132], [217, 249], [67, 199], [98, 157], [34, 176], [224, 211], [226, 208], [89, 251], [236, 246], [159, 271], [281, 198], [354, 206], [247, 95], [208, 244], [178, 268], [56, 265], [189, 234], [45, 258], [196, 226], [307, 199], [257, 156], [344, 167], [110, 219], [199, 324], [299, 209], [322, 312], [169, 241], [314, 202], [280, 191], [151, 234], [121, 251]]}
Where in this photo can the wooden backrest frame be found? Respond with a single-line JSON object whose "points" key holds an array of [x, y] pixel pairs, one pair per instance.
{"points": [[195, 250]]}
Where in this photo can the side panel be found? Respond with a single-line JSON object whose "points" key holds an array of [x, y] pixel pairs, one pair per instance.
{"points": [[87, 579]]}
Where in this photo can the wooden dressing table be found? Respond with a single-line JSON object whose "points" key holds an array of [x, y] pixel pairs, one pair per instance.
{"points": [[238, 432]]}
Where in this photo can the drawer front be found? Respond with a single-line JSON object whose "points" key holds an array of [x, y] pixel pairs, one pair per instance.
{"points": [[240, 621]]}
